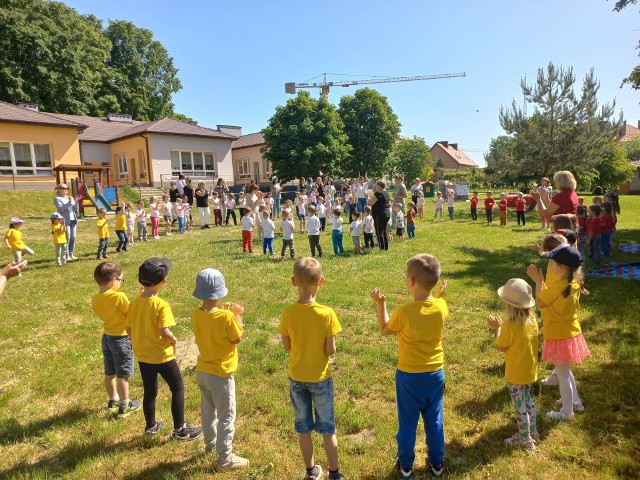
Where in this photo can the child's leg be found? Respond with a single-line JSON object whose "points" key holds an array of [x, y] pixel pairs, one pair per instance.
{"points": [[284, 248], [566, 389], [292, 249], [331, 449], [531, 410], [518, 399], [306, 449], [122, 387], [149, 374], [170, 373], [233, 215], [226, 220], [340, 245], [110, 386], [421, 213], [312, 245], [451, 213], [433, 415], [17, 256], [334, 240], [408, 414], [318, 245], [264, 246]]}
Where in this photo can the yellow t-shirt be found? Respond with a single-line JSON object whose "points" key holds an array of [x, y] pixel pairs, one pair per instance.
{"points": [[560, 317], [14, 237], [59, 233], [103, 228], [112, 308], [308, 326], [521, 342], [146, 317], [215, 332], [121, 221], [419, 326]]}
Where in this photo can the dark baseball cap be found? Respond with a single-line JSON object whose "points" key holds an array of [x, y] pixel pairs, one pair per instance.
{"points": [[565, 255], [153, 271]]}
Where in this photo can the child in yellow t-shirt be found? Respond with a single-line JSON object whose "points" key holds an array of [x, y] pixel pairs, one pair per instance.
{"points": [[154, 345], [13, 239], [59, 232], [112, 306], [420, 376], [218, 329], [103, 233], [517, 337], [121, 229], [308, 332]]}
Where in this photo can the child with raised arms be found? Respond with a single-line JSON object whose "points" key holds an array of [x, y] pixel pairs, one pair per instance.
{"points": [[13, 239], [308, 332], [112, 306], [154, 346], [517, 337], [287, 226], [218, 329], [419, 326]]}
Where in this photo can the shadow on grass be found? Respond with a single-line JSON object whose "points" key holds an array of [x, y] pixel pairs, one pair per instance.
{"points": [[13, 431], [482, 405]]}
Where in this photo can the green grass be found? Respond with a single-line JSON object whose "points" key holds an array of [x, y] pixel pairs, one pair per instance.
{"points": [[53, 423]]}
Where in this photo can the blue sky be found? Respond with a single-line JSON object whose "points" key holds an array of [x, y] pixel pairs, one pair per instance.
{"points": [[234, 57]]}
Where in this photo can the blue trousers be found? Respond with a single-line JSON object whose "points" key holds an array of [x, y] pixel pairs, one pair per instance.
{"points": [[605, 243], [450, 212], [267, 243], [596, 250], [411, 230], [420, 394], [123, 240], [336, 237], [181, 227]]}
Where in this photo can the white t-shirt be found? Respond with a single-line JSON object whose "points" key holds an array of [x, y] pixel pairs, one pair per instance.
{"points": [[420, 202], [141, 215], [337, 223], [167, 207], [154, 210], [287, 227], [180, 184], [313, 225], [216, 203], [361, 190], [321, 210], [180, 210], [247, 222], [399, 220], [450, 199], [439, 202], [231, 204], [301, 204], [356, 228], [268, 227], [368, 224], [242, 203]]}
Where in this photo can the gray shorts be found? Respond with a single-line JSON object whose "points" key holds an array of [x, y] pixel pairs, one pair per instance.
{"points": [[356, 240], [117, 355]]}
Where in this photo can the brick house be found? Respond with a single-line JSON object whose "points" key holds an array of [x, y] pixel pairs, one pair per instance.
{"points": [[451, 157]]}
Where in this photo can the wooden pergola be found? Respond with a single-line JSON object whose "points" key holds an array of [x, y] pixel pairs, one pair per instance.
{"points": [[80, 170]]}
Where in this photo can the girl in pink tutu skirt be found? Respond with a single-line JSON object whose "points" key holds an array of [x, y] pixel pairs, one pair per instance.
{"points": [[558, 301]]}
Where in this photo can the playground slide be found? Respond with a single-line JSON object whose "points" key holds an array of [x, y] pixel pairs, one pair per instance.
{"points": [[99, 202]]}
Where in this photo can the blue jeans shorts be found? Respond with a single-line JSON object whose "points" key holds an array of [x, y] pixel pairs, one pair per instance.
{"points": [[313, 400], [117, 355]]}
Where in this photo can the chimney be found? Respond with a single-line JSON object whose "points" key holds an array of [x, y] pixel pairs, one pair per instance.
{"points": [[194, 123], [454, 146], [34, 107], [445, 144], [638, 123], [231, 130], [119, 117]]}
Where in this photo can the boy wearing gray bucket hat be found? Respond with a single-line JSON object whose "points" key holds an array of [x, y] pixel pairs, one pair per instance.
{"points": [[218, 329]]}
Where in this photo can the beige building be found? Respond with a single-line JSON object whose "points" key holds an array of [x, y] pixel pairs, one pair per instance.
{"points": [[248, 163], [629, 132], [451, 157]]}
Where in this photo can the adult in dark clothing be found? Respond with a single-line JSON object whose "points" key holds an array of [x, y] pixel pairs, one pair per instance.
{"points": [[188, 191], [202, 202], [381, 213]]}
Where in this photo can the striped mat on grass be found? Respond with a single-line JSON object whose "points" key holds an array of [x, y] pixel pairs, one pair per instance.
{"points": [[628, 271], [630, 247]]}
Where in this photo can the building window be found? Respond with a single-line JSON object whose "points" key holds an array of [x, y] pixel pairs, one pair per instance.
{"points": [[123, 168], [25, 159], [243, 168], [192, 163], [266, 168]]}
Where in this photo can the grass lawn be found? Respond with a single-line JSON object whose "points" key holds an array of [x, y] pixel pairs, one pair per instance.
{"points": [[53, 421]]}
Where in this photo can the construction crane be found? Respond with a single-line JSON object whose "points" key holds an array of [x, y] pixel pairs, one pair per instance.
{"points": [[290, 87]]}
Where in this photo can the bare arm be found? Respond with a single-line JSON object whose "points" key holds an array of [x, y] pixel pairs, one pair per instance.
{"points": [[286, 343], [330, 345], [495, 322], [383, 315], [536, 275]]}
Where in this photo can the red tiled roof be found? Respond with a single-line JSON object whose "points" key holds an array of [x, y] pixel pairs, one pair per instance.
{"points": [[250, 140], [629, 132], [457, 155], [14, 114], [99, 129]]}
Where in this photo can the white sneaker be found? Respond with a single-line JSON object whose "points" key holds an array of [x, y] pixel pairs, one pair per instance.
{"points": [[553, 415], [577, 406], [234, 463]]}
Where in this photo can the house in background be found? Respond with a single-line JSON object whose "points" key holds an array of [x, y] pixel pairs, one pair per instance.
{"points": [[248, 163], [629, 132], [450, 157], [148, 153], [32, 143]]}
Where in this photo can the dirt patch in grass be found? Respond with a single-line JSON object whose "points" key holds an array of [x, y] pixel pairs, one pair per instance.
{"points": [[188, 352], [368, 435]]}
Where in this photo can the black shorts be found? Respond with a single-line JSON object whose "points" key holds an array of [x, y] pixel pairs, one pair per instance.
{"points": [[400, 232]]}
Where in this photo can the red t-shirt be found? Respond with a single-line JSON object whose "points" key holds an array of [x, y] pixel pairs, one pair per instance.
{"points": [[582, 225], [502, 204], [411, 215], [474, 202], [489, 203], [594, 227], [520, 205], [567, 201], [606, 222]]}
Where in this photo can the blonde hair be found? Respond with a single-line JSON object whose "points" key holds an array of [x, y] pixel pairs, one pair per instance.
{"points": [[520, 317], [307, 271], [425, 269], [566, 221], [565, 180]]}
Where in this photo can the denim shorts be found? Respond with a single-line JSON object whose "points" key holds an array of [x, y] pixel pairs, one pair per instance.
{"points": [[301, 217], [313, 399], [117, 355]]}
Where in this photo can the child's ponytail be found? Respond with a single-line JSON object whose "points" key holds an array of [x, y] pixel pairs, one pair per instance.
{"points": [[574, 274]]}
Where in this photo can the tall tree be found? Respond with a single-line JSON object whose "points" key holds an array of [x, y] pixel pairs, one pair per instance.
{"points": [[373, 130], [614, 169], [143, 75], [567, 130], [634, 77], [52, 56], [413, 158], [305, 137]]}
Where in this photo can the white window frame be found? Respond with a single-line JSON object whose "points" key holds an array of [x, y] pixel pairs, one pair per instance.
{"points": [[123, 167], [244, 168], [266, 168], [32, 170], [204, 172]]}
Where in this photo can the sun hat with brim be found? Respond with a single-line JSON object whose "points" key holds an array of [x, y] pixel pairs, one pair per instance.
{"points": [[153, 271], [517, 293], [565, 255], [56, 215], [210, 285], [15, 220]]}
